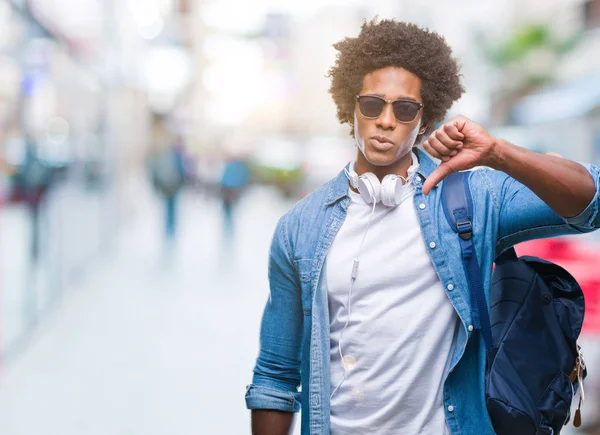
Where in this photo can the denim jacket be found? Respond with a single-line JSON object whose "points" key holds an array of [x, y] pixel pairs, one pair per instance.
{"points": [[294, 338]]}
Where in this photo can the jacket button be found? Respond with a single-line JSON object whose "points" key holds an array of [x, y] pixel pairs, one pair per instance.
{"points": [[316, 399], [451, 408], [432, 245], [470, 328], [422, 206], [450, 287]]}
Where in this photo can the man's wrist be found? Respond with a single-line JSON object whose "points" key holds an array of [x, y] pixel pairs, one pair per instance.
{"points": [[500, 155]]}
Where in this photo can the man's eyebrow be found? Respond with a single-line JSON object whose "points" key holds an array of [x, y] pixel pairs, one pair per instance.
{"points": [[402, 97]]}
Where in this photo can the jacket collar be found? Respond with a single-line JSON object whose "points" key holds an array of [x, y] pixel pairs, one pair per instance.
{"points": [[338, 187]]}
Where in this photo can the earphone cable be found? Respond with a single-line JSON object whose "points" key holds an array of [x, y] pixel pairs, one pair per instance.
{"points": [[353, 279]]}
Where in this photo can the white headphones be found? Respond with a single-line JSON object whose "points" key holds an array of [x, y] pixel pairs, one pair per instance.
{"points": [[391, 191]]}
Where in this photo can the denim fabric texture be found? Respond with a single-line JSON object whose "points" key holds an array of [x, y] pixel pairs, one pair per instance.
{"points": [[294, 338]]}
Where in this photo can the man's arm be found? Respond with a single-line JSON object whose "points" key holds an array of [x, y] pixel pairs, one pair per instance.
{"points": [[567, 187], [273, 395], [267, 422], [564, 185]]}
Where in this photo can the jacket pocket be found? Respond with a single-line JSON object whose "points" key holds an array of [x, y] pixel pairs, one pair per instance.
{"points": [[304, 268]]}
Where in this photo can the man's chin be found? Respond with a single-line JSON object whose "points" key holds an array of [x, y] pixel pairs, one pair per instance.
{"points": [[381, 159]]}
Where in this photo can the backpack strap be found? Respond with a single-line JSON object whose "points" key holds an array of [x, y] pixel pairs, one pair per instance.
{"points": [[458, 208]]}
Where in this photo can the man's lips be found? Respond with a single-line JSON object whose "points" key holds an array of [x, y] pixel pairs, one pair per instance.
{"points": [[382, 139], [381, 143]]}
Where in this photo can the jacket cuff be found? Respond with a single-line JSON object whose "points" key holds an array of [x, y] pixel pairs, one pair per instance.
{"points": [[258, 397]]}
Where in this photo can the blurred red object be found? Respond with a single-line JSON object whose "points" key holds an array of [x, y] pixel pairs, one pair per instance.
{"points": [[580, 259]]}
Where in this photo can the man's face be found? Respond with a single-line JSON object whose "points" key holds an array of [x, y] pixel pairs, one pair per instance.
{"points": [[372, 135]]}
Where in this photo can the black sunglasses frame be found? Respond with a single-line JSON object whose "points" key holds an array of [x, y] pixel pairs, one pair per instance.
{"points": [[416, 103]]}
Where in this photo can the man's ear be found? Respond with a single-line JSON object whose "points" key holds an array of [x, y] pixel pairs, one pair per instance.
{"points": [[423, 130]]}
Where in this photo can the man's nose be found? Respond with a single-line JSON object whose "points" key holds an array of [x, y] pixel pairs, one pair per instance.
{"points": [[387, 119]]}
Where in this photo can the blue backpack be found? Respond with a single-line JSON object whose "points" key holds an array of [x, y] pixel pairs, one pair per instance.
{"points": [[534, 365]]}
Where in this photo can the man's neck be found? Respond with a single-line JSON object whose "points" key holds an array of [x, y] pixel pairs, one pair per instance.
{"points": [[400, 167]]}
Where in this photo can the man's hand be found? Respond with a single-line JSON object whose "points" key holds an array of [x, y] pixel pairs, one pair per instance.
{"points": [[460, 144]]}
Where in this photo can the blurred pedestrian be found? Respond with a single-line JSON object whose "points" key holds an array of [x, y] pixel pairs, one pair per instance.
{"points": [[235, 179], [369, 307], [168, 177], [32, 180]]}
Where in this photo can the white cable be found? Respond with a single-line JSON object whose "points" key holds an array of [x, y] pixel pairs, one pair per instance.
{"points": [[353, 279], [406, 193]]}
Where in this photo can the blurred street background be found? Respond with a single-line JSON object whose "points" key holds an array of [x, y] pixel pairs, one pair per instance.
{"points": [[147, 149]]}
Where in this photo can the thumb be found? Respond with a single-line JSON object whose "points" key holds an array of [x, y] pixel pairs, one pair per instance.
{"points": [[441, 172]]}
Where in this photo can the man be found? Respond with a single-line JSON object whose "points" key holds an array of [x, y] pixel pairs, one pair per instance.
{"points": [[369, 308]]}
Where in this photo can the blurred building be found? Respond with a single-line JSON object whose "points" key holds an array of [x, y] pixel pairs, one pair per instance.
{"points": [[564, 114], [80, 80]]}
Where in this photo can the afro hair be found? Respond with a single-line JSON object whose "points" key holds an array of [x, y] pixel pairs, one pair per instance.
{"points": [[386, 43]]}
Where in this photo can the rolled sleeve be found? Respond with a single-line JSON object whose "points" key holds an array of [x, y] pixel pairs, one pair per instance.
{"points": [[589, 219], [523, 216], [258, 397], [277, 371]]}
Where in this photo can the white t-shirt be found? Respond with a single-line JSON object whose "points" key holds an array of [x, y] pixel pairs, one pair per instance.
{"points": [[402, 328]]}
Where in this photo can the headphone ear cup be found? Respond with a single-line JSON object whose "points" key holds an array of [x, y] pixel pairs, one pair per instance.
{"points": [[369, 188], [391, 190]]}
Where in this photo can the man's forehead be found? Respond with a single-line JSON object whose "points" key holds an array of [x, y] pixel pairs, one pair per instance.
{"points": [[392, 83], [386, 97]]}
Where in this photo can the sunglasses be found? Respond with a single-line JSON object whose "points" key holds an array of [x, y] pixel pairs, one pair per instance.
{"points": [[371, 106]]}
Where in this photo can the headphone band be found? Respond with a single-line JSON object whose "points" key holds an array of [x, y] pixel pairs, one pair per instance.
{"points": [[412, 170]]}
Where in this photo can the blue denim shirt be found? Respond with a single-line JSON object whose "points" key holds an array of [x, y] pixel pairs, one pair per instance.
{"points": [[294, 338]]}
